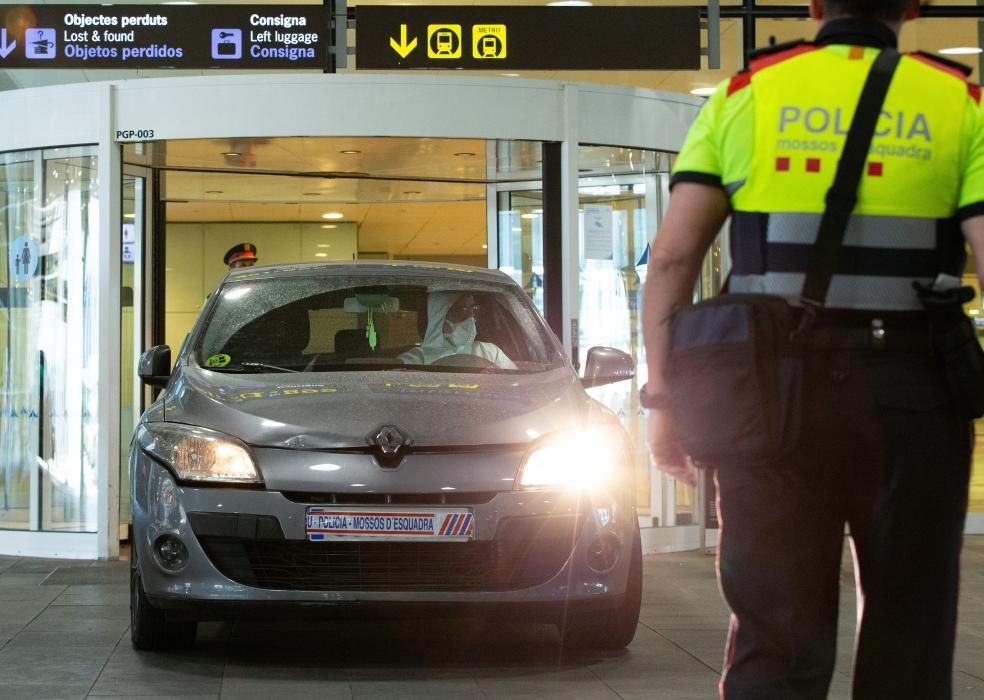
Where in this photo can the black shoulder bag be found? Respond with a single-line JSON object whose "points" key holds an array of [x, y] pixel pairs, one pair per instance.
{"points": [[736, 364]]}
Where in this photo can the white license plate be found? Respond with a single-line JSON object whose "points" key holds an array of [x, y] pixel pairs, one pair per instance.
{"points": [[332, 523]]}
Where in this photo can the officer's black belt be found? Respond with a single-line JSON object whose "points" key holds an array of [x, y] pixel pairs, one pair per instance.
{"points": [[851, 318], [871, 337]]}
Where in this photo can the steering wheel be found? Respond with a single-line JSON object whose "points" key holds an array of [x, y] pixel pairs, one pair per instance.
{"points": [[464, 360]]}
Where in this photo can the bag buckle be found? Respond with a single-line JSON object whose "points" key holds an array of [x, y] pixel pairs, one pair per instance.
{"points": [[805, 326], [877, 334]]}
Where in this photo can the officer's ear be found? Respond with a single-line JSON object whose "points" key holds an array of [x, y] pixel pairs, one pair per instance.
{"points": [[816, 9], [912, 11]]}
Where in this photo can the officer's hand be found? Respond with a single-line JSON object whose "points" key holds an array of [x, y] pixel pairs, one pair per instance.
{"points": [[665, 448]]}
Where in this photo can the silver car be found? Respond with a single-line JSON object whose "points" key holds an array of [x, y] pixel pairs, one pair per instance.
{"points": [[400, 438]]}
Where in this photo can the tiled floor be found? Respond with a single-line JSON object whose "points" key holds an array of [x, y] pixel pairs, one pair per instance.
{"points": [[64, 633]]}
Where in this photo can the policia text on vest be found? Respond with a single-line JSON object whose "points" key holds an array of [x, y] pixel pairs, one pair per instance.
{"points": [[820, 121]]}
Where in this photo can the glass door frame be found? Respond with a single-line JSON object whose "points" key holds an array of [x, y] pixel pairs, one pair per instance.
{"points": [[34, 502], [561, 113], [662, 491], [140, 396]]}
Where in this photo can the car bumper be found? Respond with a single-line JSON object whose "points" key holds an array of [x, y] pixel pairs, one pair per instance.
{"points": [[533, 554]]}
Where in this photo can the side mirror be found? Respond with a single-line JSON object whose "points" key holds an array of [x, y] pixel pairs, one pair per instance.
{"points": [[154, 367], [606, 366]]}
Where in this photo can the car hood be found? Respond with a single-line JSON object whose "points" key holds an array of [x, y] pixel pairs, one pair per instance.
{"points": [[344, 409]]}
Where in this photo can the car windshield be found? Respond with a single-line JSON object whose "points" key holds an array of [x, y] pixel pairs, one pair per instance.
{"points": [[324, 323]]}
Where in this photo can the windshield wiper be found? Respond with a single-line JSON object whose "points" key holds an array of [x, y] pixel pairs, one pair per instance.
{"points": [[447, 369], [264, 365]]}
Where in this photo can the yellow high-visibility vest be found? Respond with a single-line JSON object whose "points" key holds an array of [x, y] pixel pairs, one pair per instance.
{"points": [[771, 137]]}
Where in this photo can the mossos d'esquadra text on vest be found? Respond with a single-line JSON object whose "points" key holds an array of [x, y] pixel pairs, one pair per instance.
{"points": [[911, 128]]}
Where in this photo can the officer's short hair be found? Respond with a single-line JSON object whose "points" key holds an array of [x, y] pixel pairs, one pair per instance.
{"points": [[880, 10]]}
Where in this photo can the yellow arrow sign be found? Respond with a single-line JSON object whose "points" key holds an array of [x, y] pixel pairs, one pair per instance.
{"points": [[403, 48]]}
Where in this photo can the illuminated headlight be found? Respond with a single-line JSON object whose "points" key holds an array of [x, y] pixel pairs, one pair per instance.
{"points": [[199, 454], [585, 459]]}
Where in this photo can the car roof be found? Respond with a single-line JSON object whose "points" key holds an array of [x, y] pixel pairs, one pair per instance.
{"points": [[397, 268]]}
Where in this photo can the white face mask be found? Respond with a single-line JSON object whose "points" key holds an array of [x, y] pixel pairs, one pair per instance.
{"points": [[463, 332]]}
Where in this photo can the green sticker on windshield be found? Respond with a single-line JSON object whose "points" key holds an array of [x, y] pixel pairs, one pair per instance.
{"points": [[219, 360]]}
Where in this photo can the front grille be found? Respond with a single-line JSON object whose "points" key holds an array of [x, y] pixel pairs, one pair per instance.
{"points": [[463, 498], [526, 552]]}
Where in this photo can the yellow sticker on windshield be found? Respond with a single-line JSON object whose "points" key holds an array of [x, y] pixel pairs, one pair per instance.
{"points": [[219, 360]]}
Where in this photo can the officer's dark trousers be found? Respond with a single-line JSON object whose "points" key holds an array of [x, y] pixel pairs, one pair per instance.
{"points": [[884, 453]]}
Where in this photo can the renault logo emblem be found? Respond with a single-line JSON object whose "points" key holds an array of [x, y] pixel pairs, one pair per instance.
{"points": [[390, 441]]}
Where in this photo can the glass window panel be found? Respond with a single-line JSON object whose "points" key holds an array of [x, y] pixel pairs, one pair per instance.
{"points": [[613, 230], [617, 215], [131, 330], [518, 160], [519, 214], [521, 240], [621, 191], [63, 321], [19, 409]]}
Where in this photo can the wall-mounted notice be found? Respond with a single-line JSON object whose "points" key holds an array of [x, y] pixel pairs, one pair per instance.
{"points": [[598, 232]]}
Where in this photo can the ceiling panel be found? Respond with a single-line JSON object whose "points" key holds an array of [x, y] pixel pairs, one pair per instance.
{"points": [[382, 157], [425, 168], [411, 216], [402, 214], [395, 216], [183, 185]]}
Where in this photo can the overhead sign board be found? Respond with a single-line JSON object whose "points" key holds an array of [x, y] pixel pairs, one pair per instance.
{"points": [[527, 38], [163, 36]]}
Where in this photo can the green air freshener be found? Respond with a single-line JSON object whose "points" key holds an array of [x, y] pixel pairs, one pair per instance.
{"points": [[371, 332], [220, 360]]}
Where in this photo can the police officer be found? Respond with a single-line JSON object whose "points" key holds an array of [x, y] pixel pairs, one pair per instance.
{"points": [[240, 255], [883, 450]]}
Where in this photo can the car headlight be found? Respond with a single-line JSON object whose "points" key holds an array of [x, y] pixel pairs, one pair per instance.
{"points": [[199, 454], [576, 460]]}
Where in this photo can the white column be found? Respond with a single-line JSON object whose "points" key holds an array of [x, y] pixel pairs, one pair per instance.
{"points": [[108, 300], [569, 199], [491, 204]]}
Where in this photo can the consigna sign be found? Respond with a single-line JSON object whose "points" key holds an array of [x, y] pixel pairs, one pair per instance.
{"points": [[163, 36]]}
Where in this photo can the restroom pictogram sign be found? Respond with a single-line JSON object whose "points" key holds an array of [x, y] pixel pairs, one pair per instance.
{"points": [[489, 41]]}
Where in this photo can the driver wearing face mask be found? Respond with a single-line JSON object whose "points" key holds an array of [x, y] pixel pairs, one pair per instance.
{"points": [[451, 330]]}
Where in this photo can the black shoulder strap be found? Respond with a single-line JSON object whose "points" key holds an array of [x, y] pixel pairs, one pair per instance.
{"points": [[843, 194]]}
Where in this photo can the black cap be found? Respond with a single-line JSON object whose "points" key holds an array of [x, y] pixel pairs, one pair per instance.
{"points": [[243, 251]]}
